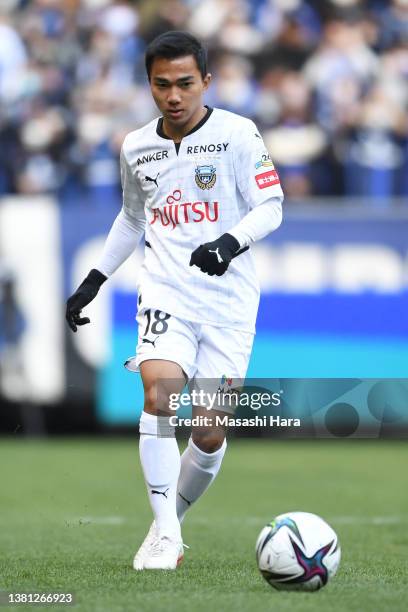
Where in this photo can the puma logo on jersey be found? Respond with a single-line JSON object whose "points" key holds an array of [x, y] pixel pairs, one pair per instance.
{"points": [[217, 252], [152, 157], [152, 180]]}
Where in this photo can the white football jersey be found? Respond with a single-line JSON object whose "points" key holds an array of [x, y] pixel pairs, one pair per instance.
{"points": [[191, 194]]}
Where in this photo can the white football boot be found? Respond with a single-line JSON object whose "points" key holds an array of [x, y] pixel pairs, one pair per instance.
{"points": [[164, 553], [141, 553]]}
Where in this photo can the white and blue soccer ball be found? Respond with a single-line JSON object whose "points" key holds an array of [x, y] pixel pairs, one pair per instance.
{"points": [[298, 551]]}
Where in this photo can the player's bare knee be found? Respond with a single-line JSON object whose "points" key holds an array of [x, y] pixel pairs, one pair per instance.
{"points": [[208, 442], [155, 402]]}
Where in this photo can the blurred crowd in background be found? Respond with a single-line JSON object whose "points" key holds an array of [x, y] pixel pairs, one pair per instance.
{"points": [[326, 83]]}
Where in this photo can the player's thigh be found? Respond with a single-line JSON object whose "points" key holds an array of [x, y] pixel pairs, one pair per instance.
{"points": [[165, 354], [161, 379], [222, 362], [223, 356]]}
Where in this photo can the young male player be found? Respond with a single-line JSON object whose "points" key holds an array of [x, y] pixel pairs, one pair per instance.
{"points": [[201, 185]]}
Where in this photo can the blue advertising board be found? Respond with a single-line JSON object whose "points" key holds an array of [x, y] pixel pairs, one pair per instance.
{"points": [[334, 298]]}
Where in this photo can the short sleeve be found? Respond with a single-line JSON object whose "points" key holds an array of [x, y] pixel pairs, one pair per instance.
{"points": [[132, 197], [256, 176]]}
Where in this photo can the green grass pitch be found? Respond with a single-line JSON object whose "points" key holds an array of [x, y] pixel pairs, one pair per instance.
{"points": [[74, 512]]}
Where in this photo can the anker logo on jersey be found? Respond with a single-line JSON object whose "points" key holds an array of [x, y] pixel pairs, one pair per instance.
{"points": [[174, 213], [152, 157], [210, 148], [205, 176]]}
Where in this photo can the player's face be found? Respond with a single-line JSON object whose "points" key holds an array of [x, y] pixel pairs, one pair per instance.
{"points": [[177, 88]]}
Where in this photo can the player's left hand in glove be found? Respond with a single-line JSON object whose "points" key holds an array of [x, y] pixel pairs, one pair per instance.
{"points": [[215, 257], [85, 293]]}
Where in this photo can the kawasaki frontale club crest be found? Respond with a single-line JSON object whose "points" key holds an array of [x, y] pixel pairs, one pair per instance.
{"points": [[205, 176]]}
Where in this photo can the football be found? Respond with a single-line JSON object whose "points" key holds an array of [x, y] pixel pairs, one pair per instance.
{"points": [[298, 551]]}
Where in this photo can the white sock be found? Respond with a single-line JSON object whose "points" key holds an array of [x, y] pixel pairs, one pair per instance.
{"points": [[198, 470], [160, 459]]}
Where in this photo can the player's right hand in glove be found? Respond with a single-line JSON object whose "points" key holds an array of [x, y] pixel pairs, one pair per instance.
{"points": [[85, 293], [213, 258]]}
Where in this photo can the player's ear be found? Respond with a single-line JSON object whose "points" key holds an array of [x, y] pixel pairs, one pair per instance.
{"points": [[207, 80]]}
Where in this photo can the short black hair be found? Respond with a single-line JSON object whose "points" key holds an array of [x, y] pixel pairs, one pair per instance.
{"points": [[173, 44]]}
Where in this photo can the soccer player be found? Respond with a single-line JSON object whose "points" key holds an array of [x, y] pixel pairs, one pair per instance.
{"points": [[200, 184]]}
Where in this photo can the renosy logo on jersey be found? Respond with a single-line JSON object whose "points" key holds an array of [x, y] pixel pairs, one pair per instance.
{"points": [[267, 179]]}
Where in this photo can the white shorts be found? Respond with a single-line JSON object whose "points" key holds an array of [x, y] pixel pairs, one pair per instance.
{"points": [[204, 352]]}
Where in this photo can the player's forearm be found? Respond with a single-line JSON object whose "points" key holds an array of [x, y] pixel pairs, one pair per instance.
{"points": [[122, 240], [259, 222]]}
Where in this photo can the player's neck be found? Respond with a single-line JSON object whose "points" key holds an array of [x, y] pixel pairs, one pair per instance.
{"points": [[177, 133]]}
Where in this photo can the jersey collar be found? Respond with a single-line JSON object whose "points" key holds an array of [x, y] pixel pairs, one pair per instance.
{"points": [[160, 131]]}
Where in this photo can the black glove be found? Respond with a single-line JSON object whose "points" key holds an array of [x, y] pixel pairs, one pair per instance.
{"points": [[82, 296], [215, 257]]}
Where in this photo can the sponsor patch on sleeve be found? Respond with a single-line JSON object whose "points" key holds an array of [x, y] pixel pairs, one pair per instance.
{"points": [[267, 179], [264, 161]]}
